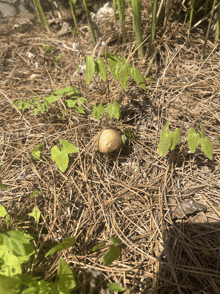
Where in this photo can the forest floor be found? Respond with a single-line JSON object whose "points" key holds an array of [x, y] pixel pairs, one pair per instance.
{"points": [[135, 195]]}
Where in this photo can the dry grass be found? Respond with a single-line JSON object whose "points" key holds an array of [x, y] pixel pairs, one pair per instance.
{"points": [[133, 194]]}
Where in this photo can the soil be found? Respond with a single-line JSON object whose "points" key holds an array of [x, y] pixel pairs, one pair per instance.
{"points": [[135, 193]]}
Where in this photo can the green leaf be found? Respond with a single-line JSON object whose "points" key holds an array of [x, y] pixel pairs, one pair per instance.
{"points": [[112, 63], [36, 191], [35, 153], [99, 246], [165, 140], [138, 77], [113, 287], [90, 68], [115, 240], [111, 255], [51, 99], [101, 69], [68, 242], [114, 110], [66, 278], [60, 157], [193, 139], [71, 103], [202, 131], [2, 186], [67, 147], [16, 102], [17, 244], [62, 91], [23, 105], [98, 111], [11, 265], [175, 136], [35, 213], [10, 285], [207, 147], [3, 211], [122, 71]]}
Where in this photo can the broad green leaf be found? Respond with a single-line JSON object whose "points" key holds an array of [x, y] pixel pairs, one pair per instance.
{"points": [[35, 213], [115, 240], [122, 71], [80, 109], [202, 131], [193, 139], [19, 243], [138, 77], [90, 68], [10, 285], [112, 67], [2, 186], [66, 278], [175, 136], [60, 157], [113, 287], [165, 140], [64, 90], [207, 147], [99, 246], [98, 111], [111, 255], [35, 153], [68, 242], [11, 265], [3, 211], [164, 143], [67, 147], [114, 110], [51, 99], [101, 69], [36, 191]]}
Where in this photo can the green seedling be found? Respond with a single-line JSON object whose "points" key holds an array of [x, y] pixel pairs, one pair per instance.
{"points": [[15, 252], [170, 140], [61, 156], [58, 57], [47, 47], [35, 153], [112, 253], [118, 67], [35, 214], [113, 110], [71, 98]]}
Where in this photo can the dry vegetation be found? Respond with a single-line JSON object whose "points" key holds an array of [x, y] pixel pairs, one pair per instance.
{"points": [[132, 195]]}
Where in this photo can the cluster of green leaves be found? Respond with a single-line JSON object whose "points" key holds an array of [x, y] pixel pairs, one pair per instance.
{"points": [[118, 67], [16, 250], [59, 156], [170, 140], [113, 110], [39, 105]]}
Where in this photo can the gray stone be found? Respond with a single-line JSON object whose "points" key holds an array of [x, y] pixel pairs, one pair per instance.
{"points": [[10, 8]]}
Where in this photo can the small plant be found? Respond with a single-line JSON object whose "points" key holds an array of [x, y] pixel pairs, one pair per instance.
{"points": [[112, 110], [17, 254], [72, 100], [118, 67], [61, 156], [170, 140], [58, 57], [109, 256], [47, 47]]}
